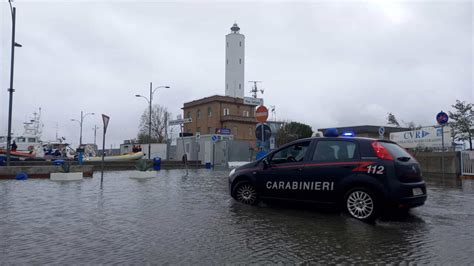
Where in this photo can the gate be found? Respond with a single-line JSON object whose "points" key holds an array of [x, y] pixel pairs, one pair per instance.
{"points": [[467, 162]]}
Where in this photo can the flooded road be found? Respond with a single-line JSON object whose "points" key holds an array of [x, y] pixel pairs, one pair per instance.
{"points": [[184, 220]]}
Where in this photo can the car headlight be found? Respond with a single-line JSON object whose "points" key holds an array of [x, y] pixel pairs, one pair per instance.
{"points": [[232, 172]]}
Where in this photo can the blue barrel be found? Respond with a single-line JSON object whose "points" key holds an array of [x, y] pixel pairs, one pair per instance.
{"points": [[58, 162], [80, 158], [208, 165], [157, 164], [21, 176]]}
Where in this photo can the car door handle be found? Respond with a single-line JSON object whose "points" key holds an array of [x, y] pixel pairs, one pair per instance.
{"points": [[297, 169]]}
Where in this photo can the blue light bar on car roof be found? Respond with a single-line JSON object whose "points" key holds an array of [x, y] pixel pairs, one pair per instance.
{"points": [[331, 132], [348, 134]]}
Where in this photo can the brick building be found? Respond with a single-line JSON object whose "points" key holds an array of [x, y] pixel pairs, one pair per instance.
{"points": [[217, 112]]}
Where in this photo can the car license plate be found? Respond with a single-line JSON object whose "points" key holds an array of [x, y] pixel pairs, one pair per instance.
{"points": [[417, 191]]}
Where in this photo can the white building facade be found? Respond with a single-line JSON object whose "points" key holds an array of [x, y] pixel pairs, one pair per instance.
{"points": [[235, 63]]}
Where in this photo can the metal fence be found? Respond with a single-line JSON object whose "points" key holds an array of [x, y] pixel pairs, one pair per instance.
{"points": [[467, 162]]}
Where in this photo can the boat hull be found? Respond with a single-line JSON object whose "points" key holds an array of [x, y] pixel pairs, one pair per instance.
{"points": [[124, 157]]}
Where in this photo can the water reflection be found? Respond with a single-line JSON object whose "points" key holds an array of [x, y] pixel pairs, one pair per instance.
{"points": [[186, 220]]}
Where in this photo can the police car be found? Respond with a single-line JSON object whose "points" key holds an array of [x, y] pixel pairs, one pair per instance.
{"points": [[363, 176]]}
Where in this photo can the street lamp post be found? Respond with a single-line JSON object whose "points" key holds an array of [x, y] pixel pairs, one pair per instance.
{"points": [[11, 90], [150, 102], [80, 124]]}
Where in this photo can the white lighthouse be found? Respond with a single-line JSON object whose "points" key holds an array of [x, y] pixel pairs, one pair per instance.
{"points": [[234, 63]]}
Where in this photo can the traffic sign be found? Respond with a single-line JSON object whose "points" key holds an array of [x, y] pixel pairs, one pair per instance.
{"points": [[253, 101], [267, 132], [214, 138], [223, 131], [180, 121], [105, 119], [381, 131], [261, 114], [442, 118]]}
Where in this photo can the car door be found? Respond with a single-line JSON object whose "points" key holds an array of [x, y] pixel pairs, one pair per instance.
{"points": [[332, 161], [284, 166]]}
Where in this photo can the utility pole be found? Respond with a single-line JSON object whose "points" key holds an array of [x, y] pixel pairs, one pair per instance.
{"points": [[149, 122], [95, 133], [11, 90]]}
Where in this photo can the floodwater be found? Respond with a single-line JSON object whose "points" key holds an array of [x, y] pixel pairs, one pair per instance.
{"points": [[192, 220]]}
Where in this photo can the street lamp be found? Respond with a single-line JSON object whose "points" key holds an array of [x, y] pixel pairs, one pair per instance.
{"points": [[11, 90], [80, 124], [150, 102]]}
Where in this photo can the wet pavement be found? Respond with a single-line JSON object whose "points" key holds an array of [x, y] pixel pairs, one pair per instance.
{"points": [[184, 220]]}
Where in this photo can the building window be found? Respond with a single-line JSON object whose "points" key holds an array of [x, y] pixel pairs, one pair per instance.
{"points": [[227, 44], [209, 111], [240, 86], [246, 113], [226, 111], [234, 131], [189, 114], [226, 86], [209, 130], [240, 44], [227, 61], [198, 130], [250, 131], [240, 60], [198, 114]]}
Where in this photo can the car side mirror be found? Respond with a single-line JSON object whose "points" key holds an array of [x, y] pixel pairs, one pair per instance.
{"points": [[266, 163]]}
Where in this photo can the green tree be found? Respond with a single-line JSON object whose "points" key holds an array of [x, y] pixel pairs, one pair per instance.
{"points": [[292, 131], [462, 121], [392, 120], [159, 117]]}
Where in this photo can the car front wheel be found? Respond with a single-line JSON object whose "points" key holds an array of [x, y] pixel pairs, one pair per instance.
{"points": [[361, 203], [246, 193]]}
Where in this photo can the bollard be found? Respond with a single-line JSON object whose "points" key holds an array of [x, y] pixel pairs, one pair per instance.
{"points": [[157, 164], [21, 176], [80, 158], [58, 162]]}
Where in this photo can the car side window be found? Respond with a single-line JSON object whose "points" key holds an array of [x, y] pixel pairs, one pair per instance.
{"points": [[335, 150], [293, 153]]}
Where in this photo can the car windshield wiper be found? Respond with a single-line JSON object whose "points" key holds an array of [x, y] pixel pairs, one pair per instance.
{"points": [[403, 159]]}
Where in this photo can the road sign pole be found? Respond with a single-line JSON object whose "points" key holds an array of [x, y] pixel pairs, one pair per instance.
{"points": [[442, 150], [442, 119], [105, 120], [262, 143]]}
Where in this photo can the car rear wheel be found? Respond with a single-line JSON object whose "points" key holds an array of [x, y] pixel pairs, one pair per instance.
{"points": [[246, 193], [361, 203]]}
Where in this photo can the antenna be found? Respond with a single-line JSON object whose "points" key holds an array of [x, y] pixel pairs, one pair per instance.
{"points": [[57, 127], [254, 89]]}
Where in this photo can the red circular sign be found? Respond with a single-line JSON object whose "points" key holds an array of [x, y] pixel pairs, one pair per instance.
{"points": [[261, 114]]}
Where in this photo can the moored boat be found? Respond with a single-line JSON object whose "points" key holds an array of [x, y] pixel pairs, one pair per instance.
{"points": [[123, 157]]}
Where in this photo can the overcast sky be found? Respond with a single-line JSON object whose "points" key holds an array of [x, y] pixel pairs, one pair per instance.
{"points": [[336, 63]]}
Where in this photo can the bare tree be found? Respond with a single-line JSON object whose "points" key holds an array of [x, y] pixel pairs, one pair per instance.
{"points": [[159, 118], [392, 120]]}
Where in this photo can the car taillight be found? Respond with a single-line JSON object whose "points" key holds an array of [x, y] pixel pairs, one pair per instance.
{"points": [[381, 151]]}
